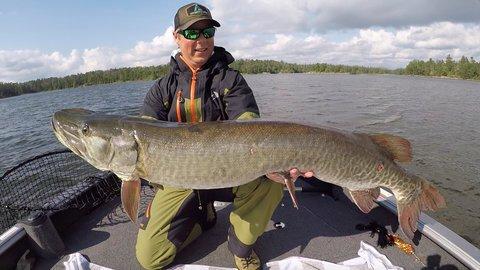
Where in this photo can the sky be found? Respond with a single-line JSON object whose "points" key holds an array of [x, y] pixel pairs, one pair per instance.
{"points": [[53, 38]]}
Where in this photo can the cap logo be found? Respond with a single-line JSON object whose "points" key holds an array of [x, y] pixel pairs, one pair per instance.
{"points": [[196, 10]]}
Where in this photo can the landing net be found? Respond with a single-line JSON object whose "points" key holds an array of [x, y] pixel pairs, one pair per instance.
{"points": [[52, 182]]}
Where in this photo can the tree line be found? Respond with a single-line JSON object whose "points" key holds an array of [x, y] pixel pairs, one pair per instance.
{"points": [[464, 68], [273, 67], [84, 79]]}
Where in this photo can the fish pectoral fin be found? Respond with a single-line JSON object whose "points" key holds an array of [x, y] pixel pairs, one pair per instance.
{"points": [[130, 195], [397, 148], [365, 199]]}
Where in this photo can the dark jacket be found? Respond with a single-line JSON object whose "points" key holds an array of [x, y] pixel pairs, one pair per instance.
{"points": [[219, 92]]}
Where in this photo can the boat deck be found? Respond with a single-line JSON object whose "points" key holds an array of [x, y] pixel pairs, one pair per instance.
{"points": [[322, 228]]}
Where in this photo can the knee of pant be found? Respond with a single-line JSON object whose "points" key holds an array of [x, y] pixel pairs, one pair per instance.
{"points": [[155, 256]]}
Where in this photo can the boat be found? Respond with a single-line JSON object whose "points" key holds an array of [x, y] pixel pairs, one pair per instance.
{"points": [[327, 227]]}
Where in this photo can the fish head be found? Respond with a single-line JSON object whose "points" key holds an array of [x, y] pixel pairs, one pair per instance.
{"points": [[104, 142], [97, 138]]}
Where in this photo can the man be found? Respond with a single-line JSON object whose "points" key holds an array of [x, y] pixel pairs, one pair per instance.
{"points": [[201, 87]]}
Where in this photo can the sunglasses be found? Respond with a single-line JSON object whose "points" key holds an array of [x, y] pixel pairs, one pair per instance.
{"points": [[193, 34]]}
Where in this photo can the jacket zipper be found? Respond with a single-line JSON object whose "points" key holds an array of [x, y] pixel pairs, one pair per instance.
{"points": [[193, 112], [193, 85]]}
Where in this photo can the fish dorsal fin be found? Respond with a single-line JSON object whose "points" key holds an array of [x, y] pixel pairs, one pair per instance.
{"points": [[397, 147]]}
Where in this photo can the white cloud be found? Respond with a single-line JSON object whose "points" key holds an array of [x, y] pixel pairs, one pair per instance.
{"points": [[98, 59], [372, 47], [154, 52], [23, 65]]}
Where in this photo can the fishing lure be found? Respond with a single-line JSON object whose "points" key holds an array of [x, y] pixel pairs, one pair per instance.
{"points": [[401, 244], [387, 239]]}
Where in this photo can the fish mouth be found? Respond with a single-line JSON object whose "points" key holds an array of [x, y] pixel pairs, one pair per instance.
{"points": [[68, 139], [66, 125]]}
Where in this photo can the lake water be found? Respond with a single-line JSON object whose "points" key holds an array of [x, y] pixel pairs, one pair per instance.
{"points": [[441, 118]]}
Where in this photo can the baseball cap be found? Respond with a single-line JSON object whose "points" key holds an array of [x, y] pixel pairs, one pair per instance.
{"points": [[190, 14]]}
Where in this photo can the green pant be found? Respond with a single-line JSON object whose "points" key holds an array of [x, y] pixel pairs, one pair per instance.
{"points": [[176, 217]]}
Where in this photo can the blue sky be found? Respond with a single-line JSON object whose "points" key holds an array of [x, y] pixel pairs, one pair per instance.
{"points": [[56, 38], [66, 25]]}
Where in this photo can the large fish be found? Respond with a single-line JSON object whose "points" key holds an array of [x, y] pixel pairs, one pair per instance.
{"points": [[231, 153]]}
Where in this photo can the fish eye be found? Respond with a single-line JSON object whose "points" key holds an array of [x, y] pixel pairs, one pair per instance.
{"points": [[85, 129]]}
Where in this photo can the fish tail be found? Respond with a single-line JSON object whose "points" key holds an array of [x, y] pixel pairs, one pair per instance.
{"points": [[409, 212]]}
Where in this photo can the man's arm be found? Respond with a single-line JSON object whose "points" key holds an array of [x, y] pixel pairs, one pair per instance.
{"points": [[239, 100], [154, 104]]}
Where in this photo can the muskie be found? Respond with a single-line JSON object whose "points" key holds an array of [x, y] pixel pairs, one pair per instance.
{"points": [[230, 153]]}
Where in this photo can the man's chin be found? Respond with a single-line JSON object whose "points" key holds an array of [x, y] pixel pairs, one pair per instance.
{"points": [[200, 61], [203, 55]]}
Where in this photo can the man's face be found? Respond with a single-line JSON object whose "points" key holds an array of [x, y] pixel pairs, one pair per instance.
{"points": [[196, 52]]}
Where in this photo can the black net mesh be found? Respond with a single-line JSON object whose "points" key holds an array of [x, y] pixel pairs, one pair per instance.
{"points": [[52, 182]]}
